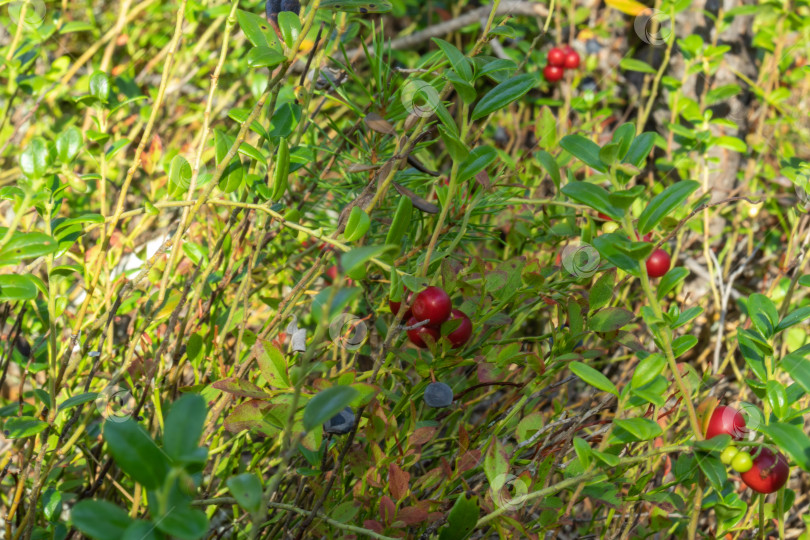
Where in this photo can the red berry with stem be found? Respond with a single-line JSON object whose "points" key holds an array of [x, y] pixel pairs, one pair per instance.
{"points": [[395, 305], [556, 57], [769, 472], [460, 335], [432, 304], [553, 73], [726, 421], [603, 217], [658, 263], [417, 334], [571, 60]]}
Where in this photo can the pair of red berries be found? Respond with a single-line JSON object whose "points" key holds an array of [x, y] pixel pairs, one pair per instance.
{"points": [[560, 59], [433, 305], [768, 471]]}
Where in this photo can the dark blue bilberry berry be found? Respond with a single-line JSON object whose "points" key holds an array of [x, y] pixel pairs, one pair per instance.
{"points": [[438, 395], [341, 423]]}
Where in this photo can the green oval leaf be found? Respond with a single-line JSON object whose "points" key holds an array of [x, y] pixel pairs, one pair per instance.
{"points": [[790, 438], [648, 369], [478, 160], [503, 94], [671, 280], [100, 520], [401, 223], [327, 404], [20, 427], [263, 56], [610, 319], [593, 377], [183, 428], [593, 196], [35, 158], [17, 287], [665, 202], [584, 150], [135, 452]]}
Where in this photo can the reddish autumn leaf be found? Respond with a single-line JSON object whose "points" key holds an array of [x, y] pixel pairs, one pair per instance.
{"points": [[398, 481], [422, 435], [373, 525], [463, 439], [388, 510], [411, 515], [468, 460]]}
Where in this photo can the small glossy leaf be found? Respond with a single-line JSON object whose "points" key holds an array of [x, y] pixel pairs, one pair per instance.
{"points": [[289, 24], [462, 518], [256, 28], [263, 56], [183, 427], [594, 196], [502, 95], [135, 452], [593, 377], [327, 404], [14, 287], [68, 144], [713, 468], [648, 369], [791, 439], [550, 165], [642, 429], [794, 317], [100, 86], [586, 151], [183, 522], [639, 149], [401, 223], [20, 427], [247, 490], [671, 280], [602, 291], [357, 225], [100, 520], [610, 319], [665, 202], [478, 160], [763, 314], [180, 174], [35, 159], [460, 63], [357, 257]]}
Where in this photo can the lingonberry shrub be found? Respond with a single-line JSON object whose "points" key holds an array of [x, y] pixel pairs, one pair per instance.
{"points": [[210, 210]]}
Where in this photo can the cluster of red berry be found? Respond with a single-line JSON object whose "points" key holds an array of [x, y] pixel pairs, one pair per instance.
{"points": [[766, 471], [433, 305], [560, 59]]}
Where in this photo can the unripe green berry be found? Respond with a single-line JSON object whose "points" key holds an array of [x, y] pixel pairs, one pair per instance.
{"points": [[609, 227], [728, 455], [742, 462]]}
